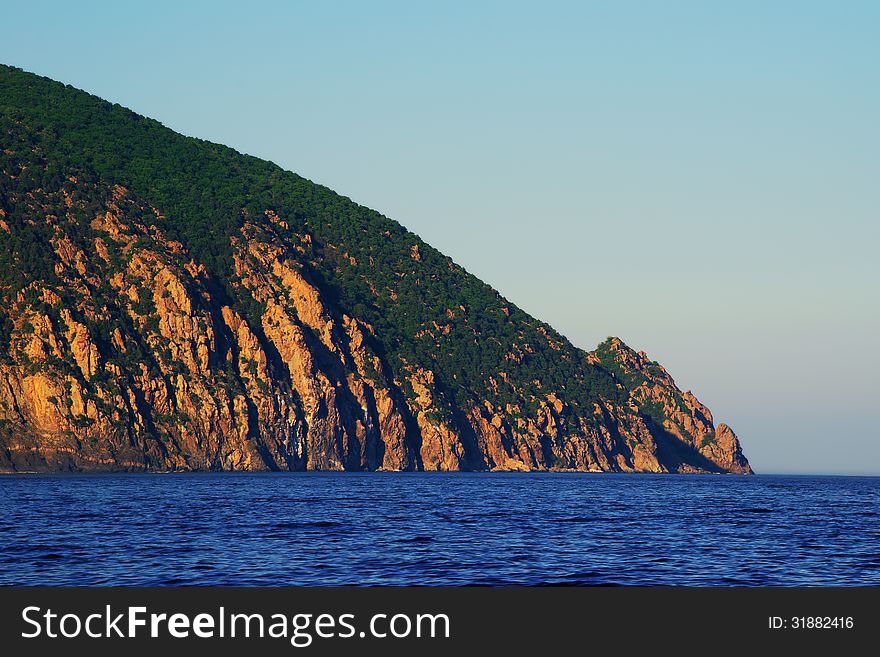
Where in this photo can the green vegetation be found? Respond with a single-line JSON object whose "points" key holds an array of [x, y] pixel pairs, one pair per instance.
{"points": [[363, 262]]}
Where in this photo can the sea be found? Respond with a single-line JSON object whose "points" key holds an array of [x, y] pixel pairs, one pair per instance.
{"points": [[438, 529]]}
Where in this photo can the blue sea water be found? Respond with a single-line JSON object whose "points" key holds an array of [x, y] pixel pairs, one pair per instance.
{"points": [[438, 529]]}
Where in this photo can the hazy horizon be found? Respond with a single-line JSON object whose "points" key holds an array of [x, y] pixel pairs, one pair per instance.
{"points": [[699, 181]]}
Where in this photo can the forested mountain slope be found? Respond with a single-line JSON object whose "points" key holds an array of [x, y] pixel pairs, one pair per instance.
{"points": [[168, 303]]}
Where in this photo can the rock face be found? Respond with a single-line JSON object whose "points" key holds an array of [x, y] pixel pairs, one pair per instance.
{"points": [[125, 351]]}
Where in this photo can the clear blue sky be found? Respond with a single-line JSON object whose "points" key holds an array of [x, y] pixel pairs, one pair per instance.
{"points": [[699, 178]]}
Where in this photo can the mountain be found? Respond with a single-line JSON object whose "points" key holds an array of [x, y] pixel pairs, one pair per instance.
{"points": [[170, 304]]}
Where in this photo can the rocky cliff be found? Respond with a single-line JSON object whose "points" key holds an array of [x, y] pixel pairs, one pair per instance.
{"points": [[169, 304]]}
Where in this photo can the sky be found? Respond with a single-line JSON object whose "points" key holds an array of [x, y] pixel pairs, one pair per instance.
{"points": [[701, 179]]}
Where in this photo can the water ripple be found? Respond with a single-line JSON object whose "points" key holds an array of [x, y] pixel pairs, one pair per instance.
{"points": [[438, 529]]}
